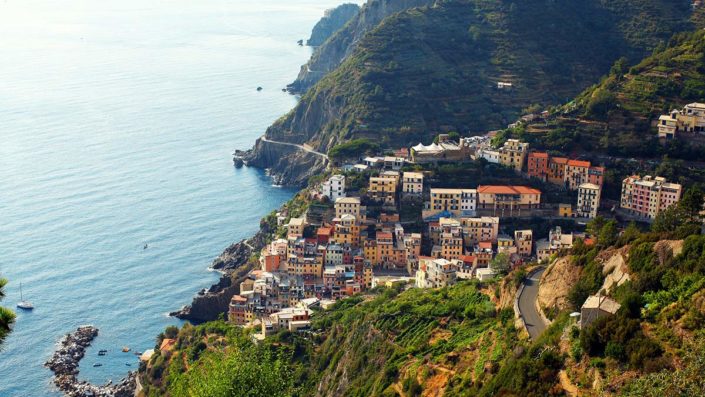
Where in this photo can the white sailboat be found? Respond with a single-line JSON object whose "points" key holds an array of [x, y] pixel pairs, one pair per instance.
{"points": [[23, 304]]}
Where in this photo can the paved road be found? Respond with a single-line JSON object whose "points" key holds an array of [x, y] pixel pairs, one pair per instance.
{"points": [[302, 147], [527, 304]]}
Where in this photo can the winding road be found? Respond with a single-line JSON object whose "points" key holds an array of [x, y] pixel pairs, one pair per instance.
{"points": [[305, 148], [527, 304]]}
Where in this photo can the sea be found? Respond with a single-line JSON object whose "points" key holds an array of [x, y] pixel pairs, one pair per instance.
{"points": [[117, 124]]}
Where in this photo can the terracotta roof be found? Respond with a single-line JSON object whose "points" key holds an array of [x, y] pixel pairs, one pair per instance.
{"points": [[324, 231], [539, 154], [238, 298], [467, 258], [383, 235], [559, 160], [579, 163], [485, 244], [507, 190]]}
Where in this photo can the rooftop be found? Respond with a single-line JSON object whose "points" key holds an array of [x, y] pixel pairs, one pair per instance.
{"points": [[507, 189]]}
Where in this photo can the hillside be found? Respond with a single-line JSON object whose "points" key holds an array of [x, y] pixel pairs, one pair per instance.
{"points": [[616, 115], [463, 340], [436, 68]]}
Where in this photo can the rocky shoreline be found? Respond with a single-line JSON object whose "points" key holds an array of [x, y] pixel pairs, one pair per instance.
{"points": [[64, 364], [210, 303]]}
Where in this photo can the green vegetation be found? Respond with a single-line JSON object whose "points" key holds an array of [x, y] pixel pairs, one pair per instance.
{"points": [[435, 69], [7, 317], [615, 115], [353, 149]]}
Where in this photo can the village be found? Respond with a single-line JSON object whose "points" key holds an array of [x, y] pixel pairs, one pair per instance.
{"points": [[383, 222]]}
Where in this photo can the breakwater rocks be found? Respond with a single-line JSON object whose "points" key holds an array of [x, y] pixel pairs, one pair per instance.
{"points": [[64, 365]]}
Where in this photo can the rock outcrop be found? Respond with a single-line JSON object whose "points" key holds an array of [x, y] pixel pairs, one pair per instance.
{"points": [[287, 165], [210, 303], [341, 44], [556, 283], [64, 365], [332, 21]]}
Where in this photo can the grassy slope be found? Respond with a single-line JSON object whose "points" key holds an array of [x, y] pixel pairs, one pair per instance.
{"points": [[436, 68]]}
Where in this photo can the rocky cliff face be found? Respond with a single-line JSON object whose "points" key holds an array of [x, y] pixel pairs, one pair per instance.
{"points": [[287, 165], [333, 51], [332, 21]]}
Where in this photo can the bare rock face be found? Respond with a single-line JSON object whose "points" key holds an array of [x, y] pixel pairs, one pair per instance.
{"points": [[285, 164], [64, 365], [556, 282]]}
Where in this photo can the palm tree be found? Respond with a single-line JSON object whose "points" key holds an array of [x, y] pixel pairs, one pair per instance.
{"points": [[7, 316]]}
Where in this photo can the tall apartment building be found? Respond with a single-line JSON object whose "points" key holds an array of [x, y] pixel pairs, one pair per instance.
{"points": [[334, 187], [524, 240], [383, 188], [537, 165], [556, 170], [588, 200], [350, 205], [456, 201], [648, 196], [484, 228], [513, 154], [412, 183]]}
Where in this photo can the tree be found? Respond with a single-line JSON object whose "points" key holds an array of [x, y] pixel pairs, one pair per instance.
{"points": [[500, 264], [608, 234], [7, 316]]}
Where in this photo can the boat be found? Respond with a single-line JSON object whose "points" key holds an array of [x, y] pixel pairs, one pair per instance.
{"points": [[146, 246], [23, 304], [97, 365], [259, 88], [125, 349], [102, 352]]}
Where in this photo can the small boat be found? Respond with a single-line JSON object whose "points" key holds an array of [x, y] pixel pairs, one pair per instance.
{"points": [[138, 353], [146, 246], [102, 352], [125, 349], [128, 364], [97, 365], [259, 88], [23, 304]]}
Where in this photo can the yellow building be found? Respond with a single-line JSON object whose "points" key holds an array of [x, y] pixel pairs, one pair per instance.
{"points": [[350, 205], [565, 210], [513, 154], [484, 228], [383, 189], [296, 227], [347, 231]]}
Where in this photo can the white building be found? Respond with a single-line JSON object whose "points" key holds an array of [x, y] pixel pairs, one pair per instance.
{"points": [[412, 183], [436, 273], [588, 200], [334, 187], [492, 156]]}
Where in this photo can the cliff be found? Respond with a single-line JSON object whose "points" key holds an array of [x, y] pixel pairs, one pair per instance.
{"points": [[339, 45], [332, 21], [287, 165]]}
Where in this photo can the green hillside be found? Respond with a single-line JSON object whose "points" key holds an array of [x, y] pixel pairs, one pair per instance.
{"points": [[462, 340], [616, 115], [436, 68]]}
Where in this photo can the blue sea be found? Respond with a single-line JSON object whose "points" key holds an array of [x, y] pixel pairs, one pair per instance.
{"points": [[117, 124]]}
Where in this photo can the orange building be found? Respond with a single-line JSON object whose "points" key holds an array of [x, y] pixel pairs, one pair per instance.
{"points": [[537, 165]]}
